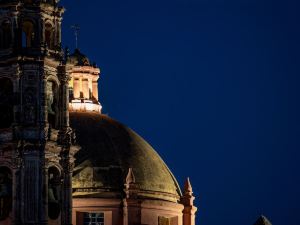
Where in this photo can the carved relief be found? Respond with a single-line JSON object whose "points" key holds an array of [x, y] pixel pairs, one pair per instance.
{"points": [[29, 105], [54, 193]]}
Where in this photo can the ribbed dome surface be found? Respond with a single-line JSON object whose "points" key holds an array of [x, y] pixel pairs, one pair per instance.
{"points": [[109, 149]]}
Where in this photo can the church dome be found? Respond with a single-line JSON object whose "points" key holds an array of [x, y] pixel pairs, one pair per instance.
{"points": [[108, 150], [79, 59]]}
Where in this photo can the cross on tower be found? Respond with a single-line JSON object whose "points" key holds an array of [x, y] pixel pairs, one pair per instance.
{"points": [[76, 29]]}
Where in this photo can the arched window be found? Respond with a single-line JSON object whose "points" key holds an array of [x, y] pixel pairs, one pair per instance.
{"points": [[27, 34], [49, 35], [6, 37], [5, 193], [54, 193], [6, 103], [52, 104]]}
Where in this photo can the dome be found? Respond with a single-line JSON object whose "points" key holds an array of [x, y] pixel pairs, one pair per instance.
{"points": [[108, 150], [78, 59]]}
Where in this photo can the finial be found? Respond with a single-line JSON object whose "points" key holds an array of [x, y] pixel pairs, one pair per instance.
{"points": [[76, 29], [262, 220], [188, 187], [187, 198], [130, 178]]}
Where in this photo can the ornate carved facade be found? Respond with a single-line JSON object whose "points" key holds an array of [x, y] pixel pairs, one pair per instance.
{"points": [[36, 145]]}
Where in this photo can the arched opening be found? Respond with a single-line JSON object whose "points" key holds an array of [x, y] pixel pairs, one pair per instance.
{"points": [[49, 35], [52, 104], [54, 193], [6, 36], [27, 34], [6, 103], [5, 193]]}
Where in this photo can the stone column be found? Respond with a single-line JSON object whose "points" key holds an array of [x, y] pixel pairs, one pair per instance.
{"points": [[85, 88], [16, 191], [95, 90], [65, 140], [16, 84], [76, 88], [32, 207], [67, 206], [59, 31], [45, 192], [125, 212], [44, 94], [133, 209], [64, 97], [188, 201]]}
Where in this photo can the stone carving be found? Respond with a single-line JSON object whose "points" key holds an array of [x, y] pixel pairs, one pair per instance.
{"points": [[29, 105], [54, 193], [50, 98]]}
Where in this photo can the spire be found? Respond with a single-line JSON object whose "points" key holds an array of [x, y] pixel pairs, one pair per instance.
{"points": [[262, 220], [187, 200], [131, 187], [188, 187], [130, 178]]}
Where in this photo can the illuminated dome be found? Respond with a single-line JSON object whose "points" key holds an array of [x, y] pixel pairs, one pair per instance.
{"points": [[109, 149]]}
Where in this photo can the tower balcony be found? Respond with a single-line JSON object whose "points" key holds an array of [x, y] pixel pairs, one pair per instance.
{"points": [[80, 105]]}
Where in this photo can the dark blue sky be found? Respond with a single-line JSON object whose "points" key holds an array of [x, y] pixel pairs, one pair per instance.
{"points": [[213, 85]]}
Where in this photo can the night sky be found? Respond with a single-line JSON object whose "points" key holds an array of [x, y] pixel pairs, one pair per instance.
{"points": [[213, 85]]}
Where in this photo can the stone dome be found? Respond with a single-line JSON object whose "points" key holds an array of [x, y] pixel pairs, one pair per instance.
{"points": [[79, 59], [108, 150]]}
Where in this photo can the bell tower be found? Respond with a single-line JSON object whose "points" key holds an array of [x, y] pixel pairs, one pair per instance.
{"points": [[37, 146]]}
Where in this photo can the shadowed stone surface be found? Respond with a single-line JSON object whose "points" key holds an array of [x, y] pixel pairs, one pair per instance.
{"points": [[109, 149]]}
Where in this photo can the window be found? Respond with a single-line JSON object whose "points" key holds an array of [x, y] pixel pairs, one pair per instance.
{"points": [[27, 34], [6, 38], [93, 219]]}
